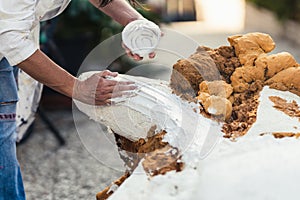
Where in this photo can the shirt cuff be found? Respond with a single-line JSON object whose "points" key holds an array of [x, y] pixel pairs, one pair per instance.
{"points": [[21, 53]]}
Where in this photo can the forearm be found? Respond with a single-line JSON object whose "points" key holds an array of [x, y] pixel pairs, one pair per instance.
{"points": [[44, 70], [120, 10]]}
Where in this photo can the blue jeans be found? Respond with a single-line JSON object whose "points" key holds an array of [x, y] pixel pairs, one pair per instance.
{"points": [[11, 184]]}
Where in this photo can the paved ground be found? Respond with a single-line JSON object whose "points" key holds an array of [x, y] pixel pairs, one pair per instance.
{"points": [[53, 172]]}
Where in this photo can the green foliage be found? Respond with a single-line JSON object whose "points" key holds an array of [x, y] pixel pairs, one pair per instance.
{"points": [[82, 26], [81, 17], [284, 9]]}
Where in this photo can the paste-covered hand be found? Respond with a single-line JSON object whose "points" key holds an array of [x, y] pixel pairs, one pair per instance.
{"points": [[100, 89], [140, 38]]}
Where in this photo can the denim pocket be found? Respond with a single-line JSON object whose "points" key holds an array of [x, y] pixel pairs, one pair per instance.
{"points": [[8, 101], [7, 123], [8, 86]]}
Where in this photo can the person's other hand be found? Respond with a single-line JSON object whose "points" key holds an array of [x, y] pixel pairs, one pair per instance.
{"points": [[98, 90], [136, 56]]}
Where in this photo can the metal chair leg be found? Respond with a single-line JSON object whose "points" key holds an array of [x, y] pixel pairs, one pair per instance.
{"points": [[51, 126]]}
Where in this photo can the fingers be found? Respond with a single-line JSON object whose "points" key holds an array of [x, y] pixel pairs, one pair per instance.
{"points": [[127, 50], [110, 98], [136, 57], [97, 90], [115, 89], [107, 73], [103, 82], [152, 55], [108, 89]]}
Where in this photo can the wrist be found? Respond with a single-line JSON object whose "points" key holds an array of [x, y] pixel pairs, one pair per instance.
{"points": [[133, 19], [77, 87]]}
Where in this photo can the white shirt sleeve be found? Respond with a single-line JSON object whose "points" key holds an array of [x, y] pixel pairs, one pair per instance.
{"points": [[17, 21]]}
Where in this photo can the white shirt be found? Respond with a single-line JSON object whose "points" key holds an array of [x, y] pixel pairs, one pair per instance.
{"points": [[19, 26]]}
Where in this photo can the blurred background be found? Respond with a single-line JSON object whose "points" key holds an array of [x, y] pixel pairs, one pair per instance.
{"points": [[69, 38], [52, 171]]}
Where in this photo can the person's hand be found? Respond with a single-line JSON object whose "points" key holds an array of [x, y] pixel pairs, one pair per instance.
{"points": [[98, 90], [136, 56], [142, 35]]}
